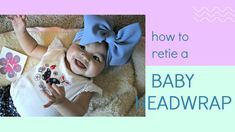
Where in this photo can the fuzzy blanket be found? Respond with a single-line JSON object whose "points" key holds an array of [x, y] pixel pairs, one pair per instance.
{"points": [[121, 85]]}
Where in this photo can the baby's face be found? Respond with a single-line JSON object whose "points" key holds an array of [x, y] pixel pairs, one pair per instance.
{"points": [[88, 60]]}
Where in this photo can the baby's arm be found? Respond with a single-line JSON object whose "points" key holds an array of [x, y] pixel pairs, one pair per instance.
{"points": [[65, 107], [28, 44]]}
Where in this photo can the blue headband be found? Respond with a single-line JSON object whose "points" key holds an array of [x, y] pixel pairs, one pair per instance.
{"points": [[120, 45]]}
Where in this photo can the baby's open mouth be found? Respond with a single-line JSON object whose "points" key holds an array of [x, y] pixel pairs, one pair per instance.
{"points": [[80, 64]]}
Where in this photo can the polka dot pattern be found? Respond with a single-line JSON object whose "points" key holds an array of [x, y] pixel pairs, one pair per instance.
{"points": [[7, 107]]}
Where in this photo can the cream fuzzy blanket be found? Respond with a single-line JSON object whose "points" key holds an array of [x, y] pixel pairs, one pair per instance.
{"points": [[121, 85]]}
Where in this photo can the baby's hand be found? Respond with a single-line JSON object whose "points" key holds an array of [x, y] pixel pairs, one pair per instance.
{"points": [[57, 95], [18, 23]]}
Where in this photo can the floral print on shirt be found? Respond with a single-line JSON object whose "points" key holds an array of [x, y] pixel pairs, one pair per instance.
{"points": [[49, 74]]}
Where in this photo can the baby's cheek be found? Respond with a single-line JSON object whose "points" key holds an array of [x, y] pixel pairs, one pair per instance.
{"points": [[99, 69], [96, 70]]}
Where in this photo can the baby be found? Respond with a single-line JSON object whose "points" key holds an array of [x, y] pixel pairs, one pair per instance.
{"points": [[60, 84]]}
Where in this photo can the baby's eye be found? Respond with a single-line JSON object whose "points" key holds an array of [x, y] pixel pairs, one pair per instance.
{"points": [[82, 47], [96, 58]]}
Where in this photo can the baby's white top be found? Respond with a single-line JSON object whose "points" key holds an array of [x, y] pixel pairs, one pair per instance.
{"points": [[26, 91]]}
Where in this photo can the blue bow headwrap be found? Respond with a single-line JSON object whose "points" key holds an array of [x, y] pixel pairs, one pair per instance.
{"points": [[120, 45]]}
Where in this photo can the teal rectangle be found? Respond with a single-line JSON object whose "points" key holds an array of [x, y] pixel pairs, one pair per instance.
{"points": [[208, 81]]}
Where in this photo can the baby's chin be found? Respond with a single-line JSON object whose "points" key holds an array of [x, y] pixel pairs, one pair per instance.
{"points": [[83, 72]]}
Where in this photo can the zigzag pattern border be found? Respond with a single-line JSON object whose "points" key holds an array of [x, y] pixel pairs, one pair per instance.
{"points": [[215, 14]]}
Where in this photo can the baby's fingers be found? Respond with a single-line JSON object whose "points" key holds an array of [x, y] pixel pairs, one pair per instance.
{"points": [[16, 17], [54, 91], [59, 90], [11, 17], [50, 98], [48, 104], [23, 17]]}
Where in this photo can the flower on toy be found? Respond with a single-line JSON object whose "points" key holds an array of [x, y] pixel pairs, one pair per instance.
{"points": [[9, 65]]}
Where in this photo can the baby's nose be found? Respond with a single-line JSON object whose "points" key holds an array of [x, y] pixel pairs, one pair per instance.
{"points": [[85, 56]]}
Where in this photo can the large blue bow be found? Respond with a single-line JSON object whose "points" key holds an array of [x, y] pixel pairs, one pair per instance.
{"points": [[121, 45]]}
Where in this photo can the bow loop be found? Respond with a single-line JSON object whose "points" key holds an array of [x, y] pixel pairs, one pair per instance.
{"points": [[121, 45]]}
